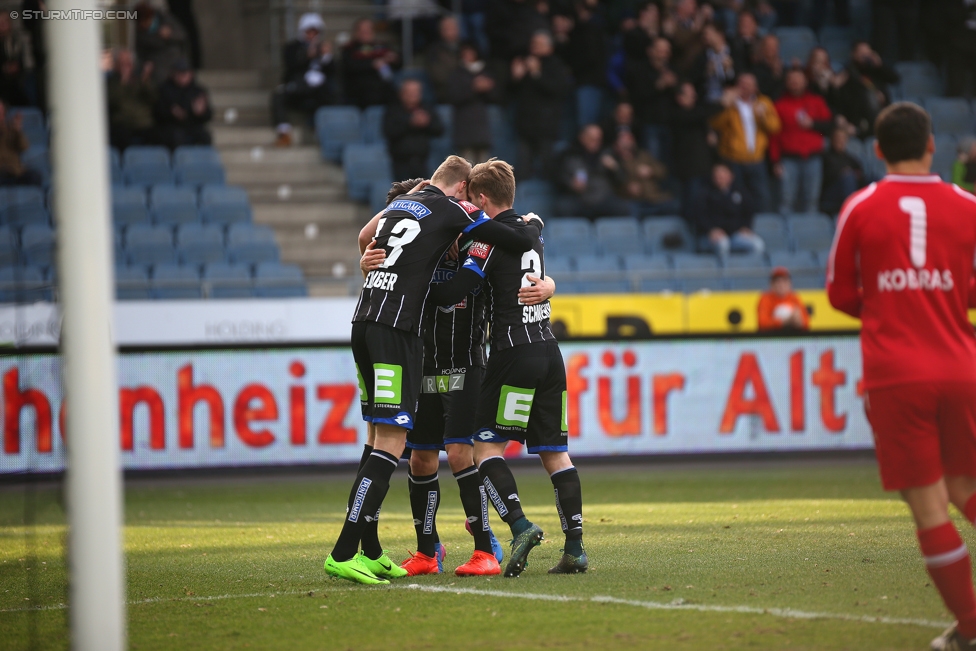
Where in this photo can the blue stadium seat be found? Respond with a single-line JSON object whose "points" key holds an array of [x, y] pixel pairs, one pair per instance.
{"points": [[950, 115], [36, 158], [857, 149], [364, 164], [945, 156], [195, 154], [200, 243], [250, 244], [772, 229], [702, 284], [115, 161], [809, 280], [23, 285], [146, 174], [372, 125], [378, 189], [200, 173], [659, 230], [142, 155], [837, 41], [224, 204], [534, 195], [747, 283], [129, 206], [642, 262], [559, 265], [873, 166], [149, 245], [172, 281], [228, 280], [276, 280], [132, 284], [20, 205], [795, 43], [568, 236], [336, 127], [9, 249], [746, 272], [811, 232], [619, 235], [919, 79], [37, 242], [695, 263], [504, 143], [173, 205], [442, 146], [801, 261], [746, 262], [597, 264], [657, 286]]}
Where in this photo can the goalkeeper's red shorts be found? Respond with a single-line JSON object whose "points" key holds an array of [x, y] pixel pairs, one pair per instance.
{"points": [[923, 432]]}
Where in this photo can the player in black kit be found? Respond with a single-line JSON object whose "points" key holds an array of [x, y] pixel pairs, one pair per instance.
{"points": [[415, 231], [523, 397]]}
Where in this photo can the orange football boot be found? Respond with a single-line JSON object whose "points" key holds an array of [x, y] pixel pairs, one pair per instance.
{"points": [[481, 564], [419, 564]]}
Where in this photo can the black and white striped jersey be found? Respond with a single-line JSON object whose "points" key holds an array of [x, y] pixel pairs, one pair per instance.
{"points": [[455, 336]]}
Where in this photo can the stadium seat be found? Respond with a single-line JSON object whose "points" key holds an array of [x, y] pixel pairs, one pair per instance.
{"points": [[20, 205], [747, 283], [667, 234], [809, 280], [200, 173], [504, 144], [147, 174], [656, 286], [811, 232], [559, 265], [138, 155], [149, 245], [837, 41], [918, 78], [950, 115], [597, 265], [364, 164], [336, 127], [772, 229], [228, 280], [945, 156], [694, 262], [378, 189], [132, 284], [23, 285], [442, 146], [9, 249], [195, 154], [746, 272], [173, 205], [276, 280], [801, 261], [200, 243], [37, 242], [129, 206], [36, 158], [619, 235], [115, 160], [603, 286], [567, 236], [224, 204], [795, 43], [372, 125], [535, 196], [644, 262], [249, 244], [748, 262], [171, 281]]}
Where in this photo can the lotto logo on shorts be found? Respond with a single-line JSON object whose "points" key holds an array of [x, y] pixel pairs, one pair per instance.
{"points": [[514, 406], [387, 383]]}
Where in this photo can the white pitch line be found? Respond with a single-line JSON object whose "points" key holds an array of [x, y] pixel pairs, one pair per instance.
{"points": [[786, 613]]}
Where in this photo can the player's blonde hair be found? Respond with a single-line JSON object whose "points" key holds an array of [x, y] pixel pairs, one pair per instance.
{"points": [[453, 170], [495, 179]]}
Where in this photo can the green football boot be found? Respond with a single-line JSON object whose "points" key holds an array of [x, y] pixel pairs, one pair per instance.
{"points": [[521, 546], [352, 570], [382, 567], [570, 564]]}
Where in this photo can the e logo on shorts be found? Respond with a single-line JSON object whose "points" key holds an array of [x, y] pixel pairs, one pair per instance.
{"points": [[387, 382], [514, 406], [362, 385]]}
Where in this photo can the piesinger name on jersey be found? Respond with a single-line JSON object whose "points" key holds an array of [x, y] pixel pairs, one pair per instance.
{"points": [[898, 280], [536, 313], [380, 280]]}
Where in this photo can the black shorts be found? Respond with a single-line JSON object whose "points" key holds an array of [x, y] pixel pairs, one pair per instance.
{"points": [[448, 402], [389, 363], [523, 398]]}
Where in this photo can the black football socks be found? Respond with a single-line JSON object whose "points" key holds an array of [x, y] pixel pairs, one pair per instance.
{"points": [[503, 493], [371, 534], [475, 502], [367, 496], [569, 505], [425, 498]]}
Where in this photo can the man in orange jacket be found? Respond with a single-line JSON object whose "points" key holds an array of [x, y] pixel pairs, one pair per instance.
{"points": [[780, 308]]}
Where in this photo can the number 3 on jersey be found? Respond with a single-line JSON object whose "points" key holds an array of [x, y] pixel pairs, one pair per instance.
{"points": [[405, 232], [917, 228], [531, 265]]}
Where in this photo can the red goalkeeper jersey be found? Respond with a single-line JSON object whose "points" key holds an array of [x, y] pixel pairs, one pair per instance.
{"points": [[902, 262]]}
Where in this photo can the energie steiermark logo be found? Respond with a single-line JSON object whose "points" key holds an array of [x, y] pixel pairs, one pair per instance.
{"points": [[514, 406], [387, 383]]}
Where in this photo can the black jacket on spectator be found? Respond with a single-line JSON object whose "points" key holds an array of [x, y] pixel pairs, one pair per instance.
{"points": [[441, 59], [599, 199], [190, 129], [689, 133], [409, 145], [858, 100], [635, 43], [769, 84], [589, 53], [650, 104], [364, 86], [471, 128], [510, 25], [539, 111], [743, 52], [162, 52], [296, 62], [729, 211]]}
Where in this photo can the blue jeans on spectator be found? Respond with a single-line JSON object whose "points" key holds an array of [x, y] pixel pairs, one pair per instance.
{"points": [[589, 105], [836, 194], [473, 29], [755, 178], [657, 141], [736, 243], [801, 177]]}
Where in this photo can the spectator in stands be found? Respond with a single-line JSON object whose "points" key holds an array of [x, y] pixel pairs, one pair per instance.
{"points": [[562, 29], [768, 67], [443, 57], [588, 177], [511, 24], [961, 61], [540, 84], [780, 309], [642, 178], [308, 76], [723, 215], [471, 88], [368, 67], [964, 169], [719, 69], [843, 174], [744, 128], [408, 126], [688, 22], [131, 99], [16, 63], [473, 14], [13, 143], [821, 76], [647, 29], [622, 119], [797, 149], [650, 85], [863, 88], [182, 11], [183, 109], [589, 44], [745, 45], [159, 40], [690, 132]]}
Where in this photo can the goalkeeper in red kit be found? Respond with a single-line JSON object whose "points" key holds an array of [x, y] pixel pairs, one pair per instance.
{"points": [[902, 262]]}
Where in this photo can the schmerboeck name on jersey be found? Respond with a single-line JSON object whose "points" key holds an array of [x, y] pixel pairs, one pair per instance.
{"points": [[536, 313], [930, 280], [380, 280]]}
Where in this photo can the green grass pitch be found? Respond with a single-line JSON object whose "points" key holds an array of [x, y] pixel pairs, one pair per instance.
{"points": [[778, 555]]}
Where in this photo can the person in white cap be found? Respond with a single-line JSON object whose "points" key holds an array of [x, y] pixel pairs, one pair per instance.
{"points": [[307, 78]]}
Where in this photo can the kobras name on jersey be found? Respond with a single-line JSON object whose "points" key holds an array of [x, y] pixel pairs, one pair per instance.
{"points": [[536, 313], [898, 280], [380, 280]]}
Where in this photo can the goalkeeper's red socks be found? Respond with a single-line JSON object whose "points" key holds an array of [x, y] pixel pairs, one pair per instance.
{"points": [[947, 561]]}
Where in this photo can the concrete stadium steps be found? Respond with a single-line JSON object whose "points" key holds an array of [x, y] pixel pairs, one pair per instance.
{"points": [[292, 189]]}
